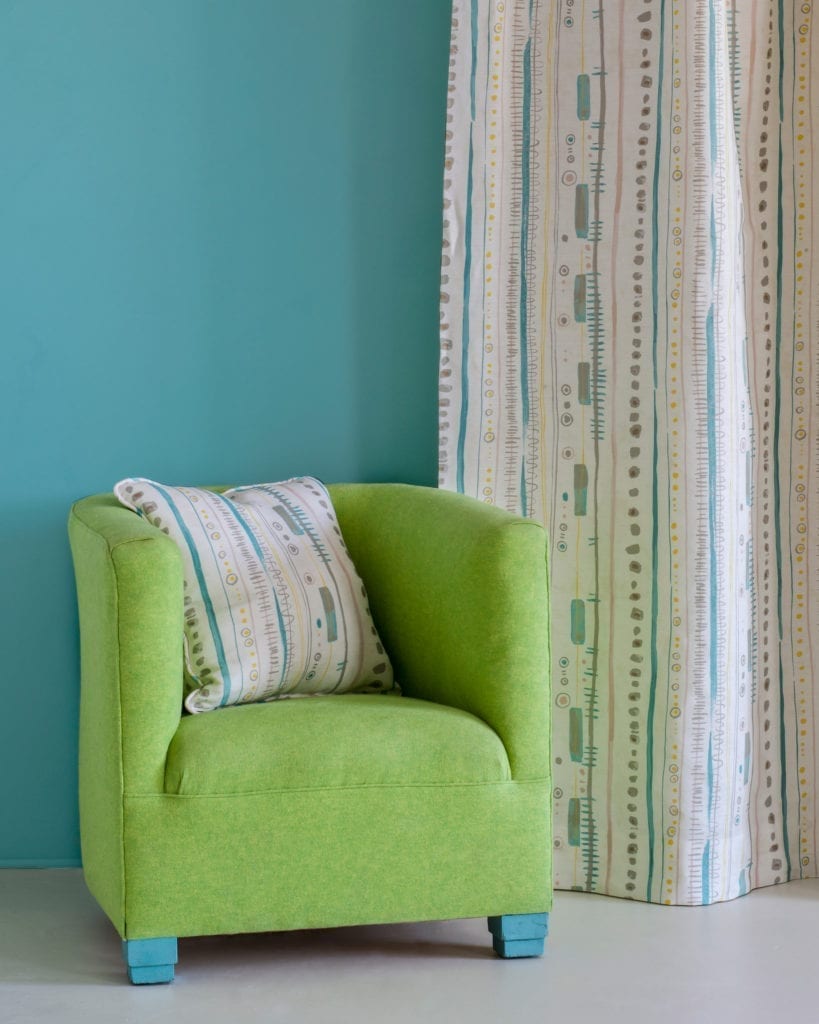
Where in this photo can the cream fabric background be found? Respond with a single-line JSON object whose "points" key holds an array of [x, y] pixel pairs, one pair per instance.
{"points": [[629, 335]]}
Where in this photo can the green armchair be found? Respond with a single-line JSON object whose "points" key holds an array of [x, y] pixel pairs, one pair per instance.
{"points": [[353, 809]]}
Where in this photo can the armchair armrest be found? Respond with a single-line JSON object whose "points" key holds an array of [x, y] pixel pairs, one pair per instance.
{"points": [[459, 592], [130, 595]]}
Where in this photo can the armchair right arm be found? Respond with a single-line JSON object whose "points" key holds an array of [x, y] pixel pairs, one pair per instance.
{"points": [[459, 592]]}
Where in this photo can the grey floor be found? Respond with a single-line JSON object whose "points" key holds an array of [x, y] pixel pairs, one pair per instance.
{"points": [[753, 960]]}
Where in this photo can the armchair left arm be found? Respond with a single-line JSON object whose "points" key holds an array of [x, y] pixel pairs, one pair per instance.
{"points": [[130, 597]]}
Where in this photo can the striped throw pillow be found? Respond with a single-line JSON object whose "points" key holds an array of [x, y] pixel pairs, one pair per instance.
{"points": [[273, 604]]}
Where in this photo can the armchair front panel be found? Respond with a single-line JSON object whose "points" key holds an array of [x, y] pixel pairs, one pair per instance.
{"points": [[318, 858]]}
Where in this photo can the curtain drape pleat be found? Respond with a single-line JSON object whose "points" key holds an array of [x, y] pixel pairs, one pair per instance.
{"points": [[630, 353]]}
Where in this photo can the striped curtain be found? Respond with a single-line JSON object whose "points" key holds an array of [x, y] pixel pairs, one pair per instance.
{"points": [[630, 353]]}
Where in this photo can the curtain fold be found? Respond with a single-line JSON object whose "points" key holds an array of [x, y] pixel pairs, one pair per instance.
{"points": [[629, 347]]}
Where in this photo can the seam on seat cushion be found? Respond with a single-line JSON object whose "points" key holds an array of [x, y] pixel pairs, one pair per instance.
{"points": [[318, 789]]}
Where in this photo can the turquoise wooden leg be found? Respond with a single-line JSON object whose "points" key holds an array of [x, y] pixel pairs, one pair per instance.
{"points": [[516, 935], [150, 961]]}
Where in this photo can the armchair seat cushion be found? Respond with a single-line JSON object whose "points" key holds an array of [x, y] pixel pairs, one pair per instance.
{"points": [[332, 742]]}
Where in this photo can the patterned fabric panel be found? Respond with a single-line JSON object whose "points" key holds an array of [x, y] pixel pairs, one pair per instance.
{"points": [[273, 604], [630, 354]]}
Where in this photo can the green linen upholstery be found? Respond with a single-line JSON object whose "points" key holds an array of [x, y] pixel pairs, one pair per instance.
{"points": [[459, 592], [327, 742], [427, 806]]}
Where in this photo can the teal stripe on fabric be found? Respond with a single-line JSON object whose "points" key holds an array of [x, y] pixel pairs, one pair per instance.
{"points": [[473, 72], [711, 444], [459, 483], [705, 864], [524, 261], [484, 246], [712, 85], [206, 599], [574, 821], [655, 299], [583, 97], [581, 211], [576, 734], [781, 30], [581, 488], [578, 621]]}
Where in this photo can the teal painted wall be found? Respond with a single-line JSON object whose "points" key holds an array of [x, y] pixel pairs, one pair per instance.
{"points": [[219, 261]]}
